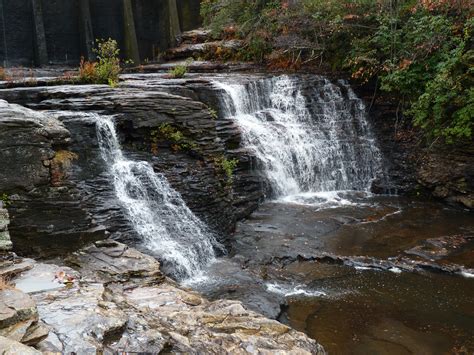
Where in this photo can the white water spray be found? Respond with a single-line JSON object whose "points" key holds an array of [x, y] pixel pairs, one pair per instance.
{"points": [[318, 141], [157, 212]]}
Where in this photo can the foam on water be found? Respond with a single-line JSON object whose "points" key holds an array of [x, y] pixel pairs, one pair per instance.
{"points": [[288, 291]]}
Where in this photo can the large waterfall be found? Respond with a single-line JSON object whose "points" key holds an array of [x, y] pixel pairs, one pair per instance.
{"points": [[157, 212], [309, 137]]}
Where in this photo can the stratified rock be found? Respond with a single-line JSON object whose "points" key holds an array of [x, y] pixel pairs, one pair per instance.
{"points": [[449, 173], [79, 203], [220, 327], [15, 307], [208, 49], [35, 174], [198, 35], [19, 318], [109, 261], [79, 318], [26, 142], [123, 304], [12, 347]]}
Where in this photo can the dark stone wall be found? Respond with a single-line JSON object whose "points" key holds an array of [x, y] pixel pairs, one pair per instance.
{"points": [[16, 25], [62, 27], [189, 17], [62, 36], [107, 20], [152, 27]]}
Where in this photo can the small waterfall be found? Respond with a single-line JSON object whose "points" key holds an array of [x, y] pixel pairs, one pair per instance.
{"points": [[157, 212], [308, 137]]}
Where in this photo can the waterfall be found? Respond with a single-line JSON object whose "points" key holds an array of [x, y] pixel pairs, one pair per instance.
{"points": [[309, 136], [157, 212]]}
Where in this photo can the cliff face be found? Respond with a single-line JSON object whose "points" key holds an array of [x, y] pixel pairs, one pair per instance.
{"points": [[40, 32], [441, 171], [56, 179]]}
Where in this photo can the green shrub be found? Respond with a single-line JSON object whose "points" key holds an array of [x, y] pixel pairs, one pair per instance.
{"points": [[107, 68]]}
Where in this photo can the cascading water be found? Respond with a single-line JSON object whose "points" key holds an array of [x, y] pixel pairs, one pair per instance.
{"points": [[158, 213], [308, 140]]}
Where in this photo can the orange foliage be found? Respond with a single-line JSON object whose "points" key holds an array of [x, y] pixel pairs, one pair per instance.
{"points": [[433, 5], [281, 61], [87, 70]]}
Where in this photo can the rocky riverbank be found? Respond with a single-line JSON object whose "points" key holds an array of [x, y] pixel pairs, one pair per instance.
{"points": [[109, 297]]}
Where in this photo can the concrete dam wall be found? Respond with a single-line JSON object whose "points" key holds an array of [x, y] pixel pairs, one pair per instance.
{"points": [[42, 32]]}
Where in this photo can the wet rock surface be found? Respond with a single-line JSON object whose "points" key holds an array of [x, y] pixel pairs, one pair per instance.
{"points": [[436, 170], [115, 299], [341, 271], [72, 178], [41, 203]]}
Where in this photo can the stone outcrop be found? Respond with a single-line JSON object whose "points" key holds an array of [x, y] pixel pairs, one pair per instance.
{"points": [[449, 173], [65, 192], [42, 203], [441, 171], [116, 300], [12, 347], [19, 318]]}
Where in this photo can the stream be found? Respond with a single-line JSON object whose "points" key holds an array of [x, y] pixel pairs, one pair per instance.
{"points": [[359, 272]]}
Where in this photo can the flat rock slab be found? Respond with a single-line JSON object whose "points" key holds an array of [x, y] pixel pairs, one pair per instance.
{"points": [[109, 260], [194, 325], [12, 347], [122, 303], [79, 318]]}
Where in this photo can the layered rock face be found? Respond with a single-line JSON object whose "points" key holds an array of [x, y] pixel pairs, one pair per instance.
{"points": [[116, 300], [56, 178], [36, 164], [449, 173], [441, 171]]}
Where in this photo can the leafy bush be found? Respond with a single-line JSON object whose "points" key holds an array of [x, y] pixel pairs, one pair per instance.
{"points": [[107, 69], [419, 51], [180, 70]]}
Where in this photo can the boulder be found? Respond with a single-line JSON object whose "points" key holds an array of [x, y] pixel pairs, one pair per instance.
{"points": [[19, 317]]}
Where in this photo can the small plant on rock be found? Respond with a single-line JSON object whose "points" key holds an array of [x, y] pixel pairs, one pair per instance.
{"points": [[180, 70], [107, 69], [226, 166], [5, 199], [176, 137]]}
